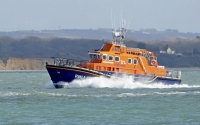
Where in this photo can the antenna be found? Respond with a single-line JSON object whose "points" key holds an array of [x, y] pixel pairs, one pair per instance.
{"points": [[119, 35], [111, 19], [128, 25], [120, 20], [114, 23]]}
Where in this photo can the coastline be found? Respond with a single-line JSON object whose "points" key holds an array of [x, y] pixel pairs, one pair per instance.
{"points": [[22, 70], [42, 70], [184, 68]]}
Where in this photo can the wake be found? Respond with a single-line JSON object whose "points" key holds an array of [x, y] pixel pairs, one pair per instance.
{"points": [[116, 82]]}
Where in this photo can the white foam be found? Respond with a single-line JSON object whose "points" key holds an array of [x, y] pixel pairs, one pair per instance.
{"points": [[13, 94], [131, 94], [170, 93], [116, 82], [50, 85]]}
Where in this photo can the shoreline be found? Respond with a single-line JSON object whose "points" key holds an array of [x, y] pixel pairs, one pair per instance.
{"points": [[22, 70], [183, 68]]}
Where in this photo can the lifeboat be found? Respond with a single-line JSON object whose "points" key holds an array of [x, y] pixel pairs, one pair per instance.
{"points": [[113, 58]]}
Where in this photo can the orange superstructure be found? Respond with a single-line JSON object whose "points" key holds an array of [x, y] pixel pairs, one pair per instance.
{"points": [[118, 58]]}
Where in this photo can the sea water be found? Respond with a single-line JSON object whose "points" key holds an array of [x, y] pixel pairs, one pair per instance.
{"points": [[29, 97]]}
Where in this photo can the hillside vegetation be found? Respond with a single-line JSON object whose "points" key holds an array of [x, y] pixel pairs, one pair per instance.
{"points": [[35, 47]]}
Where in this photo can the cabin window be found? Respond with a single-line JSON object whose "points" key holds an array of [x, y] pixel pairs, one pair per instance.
{"points": [[94, 56], [104, 57], [117, 58], [110, 58], [129, 61], [135, 61]]}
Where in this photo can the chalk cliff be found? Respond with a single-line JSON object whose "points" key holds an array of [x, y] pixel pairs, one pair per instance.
{"points": [[24, 64]]}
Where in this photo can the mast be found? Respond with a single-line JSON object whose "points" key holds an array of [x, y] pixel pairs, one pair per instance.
{"points": [[119, 37]]}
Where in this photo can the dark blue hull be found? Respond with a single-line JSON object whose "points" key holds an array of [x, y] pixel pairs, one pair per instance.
{"points": [[68, 74], [168, 81]]}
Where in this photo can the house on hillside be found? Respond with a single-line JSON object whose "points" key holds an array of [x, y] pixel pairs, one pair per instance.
{"points": [[166, 50]]}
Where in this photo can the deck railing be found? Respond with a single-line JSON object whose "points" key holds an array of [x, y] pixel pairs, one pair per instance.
{"points": [[66, 62], [169, 73]]}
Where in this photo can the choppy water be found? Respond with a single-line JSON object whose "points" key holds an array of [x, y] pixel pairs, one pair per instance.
{"points": [[30, 98]]}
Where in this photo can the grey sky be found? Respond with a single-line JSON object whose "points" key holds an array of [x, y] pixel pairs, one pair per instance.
{"points": [[84, 14]]}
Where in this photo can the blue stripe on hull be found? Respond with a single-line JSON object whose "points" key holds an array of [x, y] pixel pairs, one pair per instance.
{"points": [[168, 81], [67, 75]]}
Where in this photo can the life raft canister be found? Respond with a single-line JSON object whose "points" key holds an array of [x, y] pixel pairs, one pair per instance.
{"points": [[153, 62]]}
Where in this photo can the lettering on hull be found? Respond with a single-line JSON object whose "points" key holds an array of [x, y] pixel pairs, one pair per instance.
{"points": [[80, 76]]}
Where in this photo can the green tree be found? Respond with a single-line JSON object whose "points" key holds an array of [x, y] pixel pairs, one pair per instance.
{"points": [[141, 45]]}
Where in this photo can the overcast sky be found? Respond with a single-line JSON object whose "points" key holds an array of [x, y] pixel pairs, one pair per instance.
{"points": [[183, 15]]}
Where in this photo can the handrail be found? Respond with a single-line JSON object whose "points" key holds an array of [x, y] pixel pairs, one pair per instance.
{"points": [[66, 62], [171, 73], [143, 65]]}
